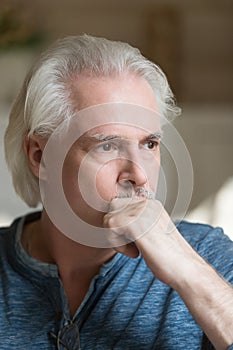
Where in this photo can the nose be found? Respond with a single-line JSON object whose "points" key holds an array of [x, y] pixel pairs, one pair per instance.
{"points": [[132, 173]]}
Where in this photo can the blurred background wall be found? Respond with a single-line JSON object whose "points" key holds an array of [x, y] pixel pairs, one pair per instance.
{"points": [[190, 40]]}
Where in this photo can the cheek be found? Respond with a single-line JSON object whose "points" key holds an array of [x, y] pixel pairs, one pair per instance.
{"points": [[152, 172], [96, 185], [106, 180], [69, 177]]}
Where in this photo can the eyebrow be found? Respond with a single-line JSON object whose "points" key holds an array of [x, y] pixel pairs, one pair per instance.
{"points": [[87, 140], [102, 137], [156, 135]]}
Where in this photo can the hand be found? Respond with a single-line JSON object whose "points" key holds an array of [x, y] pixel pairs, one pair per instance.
{"points": [[146, 223]]}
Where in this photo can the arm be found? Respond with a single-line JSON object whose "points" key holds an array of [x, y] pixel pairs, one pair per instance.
{"points": [[210, 300], [173, 261]]}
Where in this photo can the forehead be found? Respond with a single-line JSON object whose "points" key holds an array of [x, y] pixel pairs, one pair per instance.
{"points": [[88, 91], [122, 130], [121, 120]]}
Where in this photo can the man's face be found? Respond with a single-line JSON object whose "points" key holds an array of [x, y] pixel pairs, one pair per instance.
{"points": [[114, 158]]}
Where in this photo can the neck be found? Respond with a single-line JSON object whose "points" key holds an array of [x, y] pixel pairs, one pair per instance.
{"points": [[45, 242]]}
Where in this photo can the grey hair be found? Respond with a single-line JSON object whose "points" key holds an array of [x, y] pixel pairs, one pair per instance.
{"points": [[44, 101]]}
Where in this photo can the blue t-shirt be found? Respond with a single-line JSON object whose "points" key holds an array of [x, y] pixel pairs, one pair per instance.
{"points": [[126, 307]]}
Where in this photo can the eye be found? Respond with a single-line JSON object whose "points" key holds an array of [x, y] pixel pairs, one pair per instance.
{"points": [[106, 147], [151, 145]]}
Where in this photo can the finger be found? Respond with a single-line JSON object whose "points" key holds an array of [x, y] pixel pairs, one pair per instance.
{"points": [[118, 204]]}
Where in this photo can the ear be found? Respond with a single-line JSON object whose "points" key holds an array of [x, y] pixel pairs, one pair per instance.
{"points": [[33, 148]]}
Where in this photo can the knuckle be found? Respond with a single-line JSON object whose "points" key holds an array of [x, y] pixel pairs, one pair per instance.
{"points": [[112, 221]]}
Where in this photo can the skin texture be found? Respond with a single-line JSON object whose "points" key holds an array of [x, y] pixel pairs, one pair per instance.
{"points": [[166, 253]]}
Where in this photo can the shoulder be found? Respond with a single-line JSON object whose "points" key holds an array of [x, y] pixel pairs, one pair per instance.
{"points": [[196, 233], [8, 238], [7, 235], [5, 231], [12, 228], [212, 244]]}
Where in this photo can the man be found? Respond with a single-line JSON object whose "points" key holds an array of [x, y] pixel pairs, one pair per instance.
{"points": [[102, 266]]}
